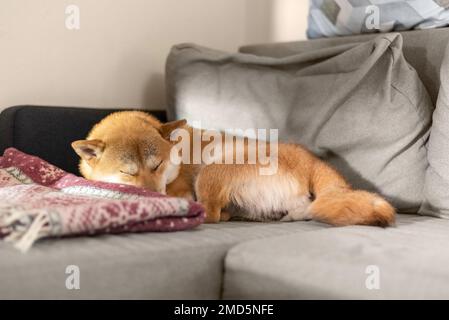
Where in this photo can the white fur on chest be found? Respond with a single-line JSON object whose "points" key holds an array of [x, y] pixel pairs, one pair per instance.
{"points": [[271, 198]]}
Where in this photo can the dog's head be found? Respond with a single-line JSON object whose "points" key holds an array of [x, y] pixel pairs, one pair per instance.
{"points": [[129, 147]]}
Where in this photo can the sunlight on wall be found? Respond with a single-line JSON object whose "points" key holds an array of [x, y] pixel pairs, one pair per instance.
{"points": [[289, 20], [276, 20], [116, 56]]}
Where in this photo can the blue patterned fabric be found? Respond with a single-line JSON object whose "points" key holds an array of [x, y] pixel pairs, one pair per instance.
{"points": [[330, 18]]}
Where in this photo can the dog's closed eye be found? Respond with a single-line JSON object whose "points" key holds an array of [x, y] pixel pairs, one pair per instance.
{"points": [[157, 166], [128, 173]]}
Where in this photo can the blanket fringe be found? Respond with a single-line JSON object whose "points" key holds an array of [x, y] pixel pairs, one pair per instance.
{"points": [[33, 233], [25, 227], [8, 216]]}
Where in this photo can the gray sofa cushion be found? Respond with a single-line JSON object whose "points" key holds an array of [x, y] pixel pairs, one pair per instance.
{"points": [[360, 107], [423, 49], [436, 189], [411, 261], [181, 265]]}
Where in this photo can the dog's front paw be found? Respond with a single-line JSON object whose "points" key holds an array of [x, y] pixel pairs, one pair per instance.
{"points": [[296, 215], [287, 218], [212, 218]]}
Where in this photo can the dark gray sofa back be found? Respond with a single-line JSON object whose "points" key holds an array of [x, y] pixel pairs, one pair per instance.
{"points": [[47, 132]]}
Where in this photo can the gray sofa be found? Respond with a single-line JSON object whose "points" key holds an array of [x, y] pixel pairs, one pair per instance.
{"points": [[248, 260]]}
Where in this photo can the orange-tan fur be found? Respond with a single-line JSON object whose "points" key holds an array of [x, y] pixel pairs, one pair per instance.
{"points": [[133, 147]]}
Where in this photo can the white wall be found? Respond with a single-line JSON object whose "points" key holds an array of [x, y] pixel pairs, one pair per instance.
{"points": [[117, 57]]}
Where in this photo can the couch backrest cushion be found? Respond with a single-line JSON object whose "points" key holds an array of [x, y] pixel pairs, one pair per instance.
{"points": [[436, 190], [358, 106], [423, 49]]}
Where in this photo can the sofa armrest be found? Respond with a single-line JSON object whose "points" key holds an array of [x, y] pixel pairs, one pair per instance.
{"points": [[47, 132]]}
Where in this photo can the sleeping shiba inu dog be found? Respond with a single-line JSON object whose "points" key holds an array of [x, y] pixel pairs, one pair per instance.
{"points": [[132, 147]]}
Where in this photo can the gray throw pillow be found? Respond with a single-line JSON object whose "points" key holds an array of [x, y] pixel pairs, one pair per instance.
{"points": [[331, 18], [436, 190], [361, 107]]}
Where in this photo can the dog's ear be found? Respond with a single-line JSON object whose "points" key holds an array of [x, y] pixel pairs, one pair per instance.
{"points": [[88, 149], [167, 128]]}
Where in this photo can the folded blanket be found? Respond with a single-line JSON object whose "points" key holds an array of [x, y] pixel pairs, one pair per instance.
{"points": [[39, 200]]}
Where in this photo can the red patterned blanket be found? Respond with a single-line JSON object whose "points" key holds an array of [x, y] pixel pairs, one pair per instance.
{"points": [[39, 200]]}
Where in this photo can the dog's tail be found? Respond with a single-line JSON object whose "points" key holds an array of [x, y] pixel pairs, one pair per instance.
{"points": [[338, 204]]}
